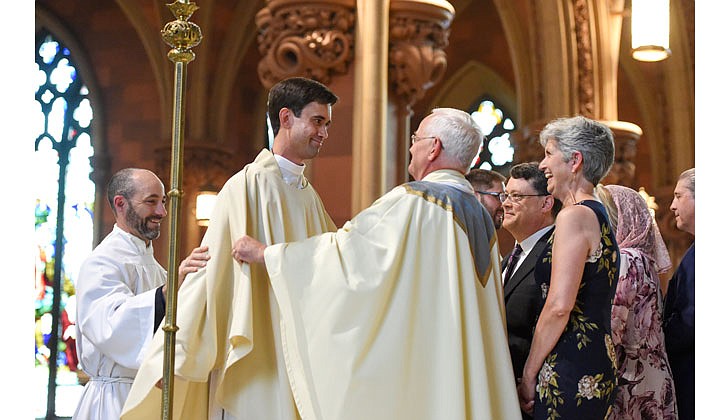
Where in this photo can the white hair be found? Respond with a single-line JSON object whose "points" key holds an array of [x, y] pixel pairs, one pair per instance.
{"points": [[459, 133]]}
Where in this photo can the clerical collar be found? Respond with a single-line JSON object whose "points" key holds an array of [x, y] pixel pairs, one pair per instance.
{"points": [[291, 172]]}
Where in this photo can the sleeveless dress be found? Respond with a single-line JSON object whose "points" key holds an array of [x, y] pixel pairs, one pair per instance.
{"points": [[578, 378]]}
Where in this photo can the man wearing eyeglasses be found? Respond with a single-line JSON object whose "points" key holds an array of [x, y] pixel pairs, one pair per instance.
{"points": [[529, 216], [488, 186], [399, 314]]}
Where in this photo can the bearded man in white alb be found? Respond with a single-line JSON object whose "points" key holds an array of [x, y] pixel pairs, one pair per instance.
{"points": [[121, 293]]}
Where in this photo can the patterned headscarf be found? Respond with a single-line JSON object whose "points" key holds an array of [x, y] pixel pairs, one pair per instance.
{"points": [[636, 228]]}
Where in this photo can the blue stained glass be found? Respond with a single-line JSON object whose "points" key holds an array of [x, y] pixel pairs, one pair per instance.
{"points": [[48, 51], [63, 75], [52, 150]]}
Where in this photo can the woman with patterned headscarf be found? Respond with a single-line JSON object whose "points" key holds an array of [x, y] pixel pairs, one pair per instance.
{"points": [[645, 388]]}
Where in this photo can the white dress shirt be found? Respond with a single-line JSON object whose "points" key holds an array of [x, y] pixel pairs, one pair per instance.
{"points": [[529, 243]]}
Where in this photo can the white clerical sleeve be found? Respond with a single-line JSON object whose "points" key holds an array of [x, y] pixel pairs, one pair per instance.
{"points": [[118, 322]]}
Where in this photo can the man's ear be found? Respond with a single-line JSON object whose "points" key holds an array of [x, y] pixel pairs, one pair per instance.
{"points": [[435, 150], [119, 203], [548, 203], [285, 116]]}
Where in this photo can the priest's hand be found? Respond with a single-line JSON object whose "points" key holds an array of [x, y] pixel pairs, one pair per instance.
{"points": [[247, 249]]}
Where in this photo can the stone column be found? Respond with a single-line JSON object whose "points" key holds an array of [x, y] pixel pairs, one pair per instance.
{"points": [[370, 149]]}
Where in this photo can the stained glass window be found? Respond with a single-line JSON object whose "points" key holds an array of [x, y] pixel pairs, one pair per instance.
{"points": [[63, 148], [496, 151]]}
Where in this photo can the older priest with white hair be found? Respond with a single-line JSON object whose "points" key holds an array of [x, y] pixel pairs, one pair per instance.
{"points": [[399, 314]]}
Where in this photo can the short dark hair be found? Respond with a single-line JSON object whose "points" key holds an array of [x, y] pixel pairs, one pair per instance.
{"points": [[530, 172], [484, 177], [121, 183], [295, 93]]}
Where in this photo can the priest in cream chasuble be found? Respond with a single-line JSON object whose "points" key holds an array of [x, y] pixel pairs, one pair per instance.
{"points": [[399, 314], [226, 316], [229, 362]]}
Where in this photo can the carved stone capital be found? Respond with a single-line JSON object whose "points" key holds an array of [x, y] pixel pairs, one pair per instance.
{"points": [[418, 35], [204, 165], [307, 38]]}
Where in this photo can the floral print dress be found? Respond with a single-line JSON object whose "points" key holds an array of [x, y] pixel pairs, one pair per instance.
{"points": [[645, 388], [579, 376]]}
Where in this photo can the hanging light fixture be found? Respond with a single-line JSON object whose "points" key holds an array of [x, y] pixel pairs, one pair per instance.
{"points": [[205, 203], [650, 30]]}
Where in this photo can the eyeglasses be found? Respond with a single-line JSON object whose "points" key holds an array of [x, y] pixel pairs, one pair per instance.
{"points": [[499, 196], [516, 198], [416, 139]]}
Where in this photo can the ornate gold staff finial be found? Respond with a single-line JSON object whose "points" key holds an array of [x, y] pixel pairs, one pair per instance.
{"points": [[181, 35]]}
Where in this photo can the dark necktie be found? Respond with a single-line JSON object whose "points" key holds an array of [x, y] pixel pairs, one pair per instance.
{"points": [[512, 260]]}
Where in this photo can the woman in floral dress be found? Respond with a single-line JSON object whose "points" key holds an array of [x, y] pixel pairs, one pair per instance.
{"points": [[571, 370], [645, 388]]}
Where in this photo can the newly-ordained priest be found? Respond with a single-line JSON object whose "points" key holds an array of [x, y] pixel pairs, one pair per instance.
{"points": [[399, 314], [228, 357]]}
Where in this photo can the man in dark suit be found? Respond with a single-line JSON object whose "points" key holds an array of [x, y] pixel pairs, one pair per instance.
{"points": [[529, 214], [679, 312]]}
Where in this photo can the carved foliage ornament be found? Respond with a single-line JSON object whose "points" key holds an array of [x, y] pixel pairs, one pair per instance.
{"points": [[302, 38], [416, 57], [417, 60]]}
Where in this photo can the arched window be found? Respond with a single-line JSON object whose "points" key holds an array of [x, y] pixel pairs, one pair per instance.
{"points": [[496, 151], [64, 210]]}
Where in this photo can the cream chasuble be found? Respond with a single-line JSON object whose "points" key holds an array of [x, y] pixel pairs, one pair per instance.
{"points": [[399, 314], [228, 345]]}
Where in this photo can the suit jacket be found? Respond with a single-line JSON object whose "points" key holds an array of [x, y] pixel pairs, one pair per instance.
{"points": [[523, 303], [679, 327]]}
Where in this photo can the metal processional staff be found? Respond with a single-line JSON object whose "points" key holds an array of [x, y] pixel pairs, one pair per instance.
{"points": [[181, 35]]}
